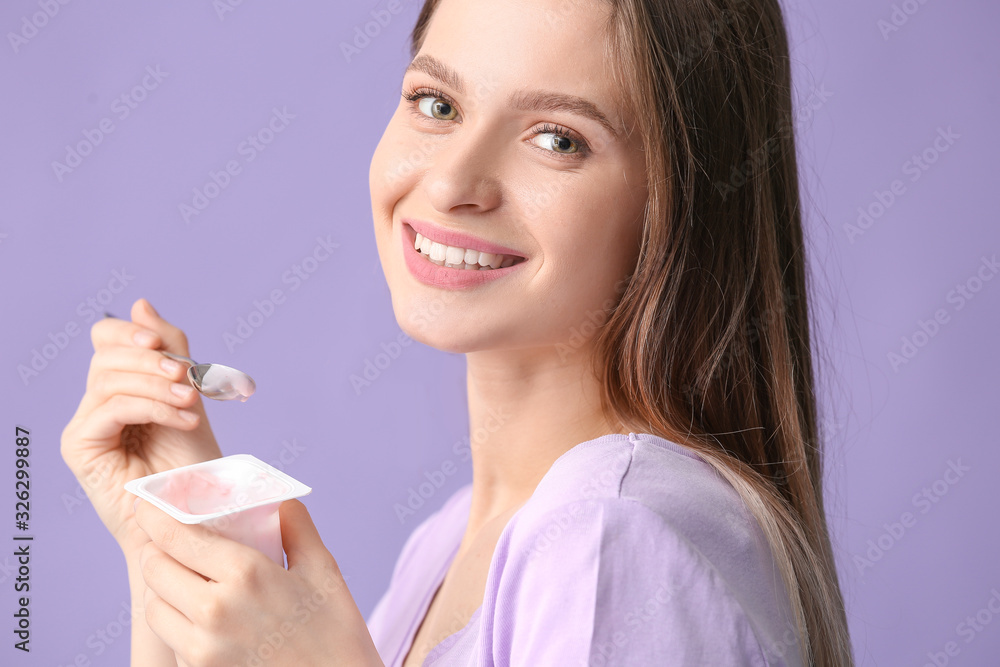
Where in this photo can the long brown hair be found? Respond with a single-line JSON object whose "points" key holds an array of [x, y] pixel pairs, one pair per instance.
{"points": [[709, 345]]}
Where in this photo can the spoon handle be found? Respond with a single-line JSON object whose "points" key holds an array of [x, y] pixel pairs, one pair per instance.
{"points": [[179, 357]]}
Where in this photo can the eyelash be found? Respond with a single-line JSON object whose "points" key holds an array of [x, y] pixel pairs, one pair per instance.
{"points": [[414, 95]]}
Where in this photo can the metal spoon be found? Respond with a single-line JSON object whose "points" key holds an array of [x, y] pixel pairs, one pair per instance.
{"points": [[216, 381]]}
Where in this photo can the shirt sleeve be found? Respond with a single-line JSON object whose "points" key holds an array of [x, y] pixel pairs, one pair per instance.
{"points": [[609, 582]]}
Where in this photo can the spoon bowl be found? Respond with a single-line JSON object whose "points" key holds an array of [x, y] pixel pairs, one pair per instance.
{"points": [[218, 382]]}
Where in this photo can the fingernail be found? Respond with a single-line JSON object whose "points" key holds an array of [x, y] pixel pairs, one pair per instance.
{"points": [[169, 365], [144, 338], [188, 416], [135, 505], [182, 390]]}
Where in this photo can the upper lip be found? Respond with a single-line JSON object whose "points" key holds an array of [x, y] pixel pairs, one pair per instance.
{"points": [[458, 239]]}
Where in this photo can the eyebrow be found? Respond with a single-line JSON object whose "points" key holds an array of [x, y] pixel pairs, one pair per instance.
{"points": [[523, 100]]}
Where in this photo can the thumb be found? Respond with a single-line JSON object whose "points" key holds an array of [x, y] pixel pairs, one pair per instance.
{"points": [[173, 338], [144, 313], [299, 537]]}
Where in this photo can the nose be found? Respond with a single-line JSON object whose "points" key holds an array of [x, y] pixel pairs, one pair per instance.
{"points": [[464, 172]]}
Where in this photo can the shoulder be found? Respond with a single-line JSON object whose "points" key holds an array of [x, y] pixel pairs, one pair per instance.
{"points": [[647, 479], [640, 466], [645, 549], [610, 578]]}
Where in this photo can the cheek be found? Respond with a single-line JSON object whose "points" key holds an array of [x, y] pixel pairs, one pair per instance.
{"points": [[591, 245], [392, 174], [400, 157], [388, 171], [587, 274], [591, 227]]}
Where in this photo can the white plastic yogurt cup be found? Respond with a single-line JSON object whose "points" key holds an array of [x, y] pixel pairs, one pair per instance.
{"points": [[236, 496]]}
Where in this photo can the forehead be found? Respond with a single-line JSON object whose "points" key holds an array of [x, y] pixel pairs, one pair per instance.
{"points": [[502, 48]]}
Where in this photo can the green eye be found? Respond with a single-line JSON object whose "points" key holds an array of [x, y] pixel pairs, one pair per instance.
{"points": [[437, 108], [559, 143]]}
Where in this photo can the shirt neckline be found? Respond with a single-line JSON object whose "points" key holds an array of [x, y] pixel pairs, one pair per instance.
{"points": [[429, 593]]}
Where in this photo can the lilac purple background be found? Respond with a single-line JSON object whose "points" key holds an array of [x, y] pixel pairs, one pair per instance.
{"points": [[868, 103]]}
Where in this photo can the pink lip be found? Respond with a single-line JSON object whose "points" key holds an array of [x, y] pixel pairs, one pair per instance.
{"points": [[458, 239], [442, 276]]}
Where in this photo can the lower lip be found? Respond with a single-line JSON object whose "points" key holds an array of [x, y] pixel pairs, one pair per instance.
{"points": [[442, 276]]}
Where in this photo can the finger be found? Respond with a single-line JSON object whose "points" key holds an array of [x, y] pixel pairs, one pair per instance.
{"points": [[113, 331], [195, 546], [180, 587], [110, 417], [142, 385], [174, 340], [135, 360], [174, 628]]}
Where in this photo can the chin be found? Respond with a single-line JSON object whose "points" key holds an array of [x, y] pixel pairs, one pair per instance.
{"points": [[440, 332], [448, 330]]}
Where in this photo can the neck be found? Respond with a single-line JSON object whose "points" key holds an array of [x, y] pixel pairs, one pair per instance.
{"points": [[526, 408]]}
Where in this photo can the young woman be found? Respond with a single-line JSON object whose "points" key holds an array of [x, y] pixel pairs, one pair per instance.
{"points": [[597, 202]]}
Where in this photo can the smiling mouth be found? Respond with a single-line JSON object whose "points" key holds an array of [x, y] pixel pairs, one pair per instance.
{"points": [[453, 257]]}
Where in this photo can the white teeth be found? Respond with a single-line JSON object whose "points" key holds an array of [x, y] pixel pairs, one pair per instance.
{"points": [[460, 258]]}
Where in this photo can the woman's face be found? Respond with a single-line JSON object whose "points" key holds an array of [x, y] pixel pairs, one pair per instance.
{"points": [[501, 159]]}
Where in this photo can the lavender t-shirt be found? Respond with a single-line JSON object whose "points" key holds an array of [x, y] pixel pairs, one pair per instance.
{"points": [[631, 551]]}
